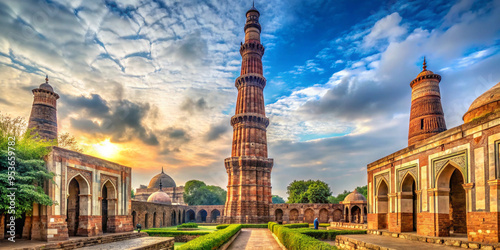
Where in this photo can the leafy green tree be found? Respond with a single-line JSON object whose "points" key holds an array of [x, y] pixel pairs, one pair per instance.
{"points": [[22, 169], [299, 192], [340, 197], [132, 193], [363, 190], [318, 193], [198, 193], [278, 200]]}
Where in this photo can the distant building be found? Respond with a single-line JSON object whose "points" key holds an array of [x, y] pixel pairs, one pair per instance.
{"points": [[168, 186], [445, 182]]}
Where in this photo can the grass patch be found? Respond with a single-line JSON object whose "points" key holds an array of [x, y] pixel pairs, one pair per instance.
{"points": [[293, 240], [326, 234], [222, 226], [188, 225], [178, 244], [320, 225]]}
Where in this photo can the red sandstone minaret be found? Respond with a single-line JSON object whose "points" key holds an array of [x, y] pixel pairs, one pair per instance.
{"points": [[426, 117], [43, 116], [248, 168]]}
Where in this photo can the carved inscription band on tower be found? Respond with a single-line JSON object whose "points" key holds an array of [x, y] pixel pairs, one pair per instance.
{"points": [[249, 168]]}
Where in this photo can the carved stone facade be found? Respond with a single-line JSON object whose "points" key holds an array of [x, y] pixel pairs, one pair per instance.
{"points": [[249, 168], [445, 184]]}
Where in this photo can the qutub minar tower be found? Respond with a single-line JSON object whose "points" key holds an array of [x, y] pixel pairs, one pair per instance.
{"points": [[249, 168]]}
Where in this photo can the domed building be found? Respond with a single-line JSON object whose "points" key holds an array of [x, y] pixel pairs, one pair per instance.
{"points": [[447, 181], [164, 183], [354, 207], [160, 196]]}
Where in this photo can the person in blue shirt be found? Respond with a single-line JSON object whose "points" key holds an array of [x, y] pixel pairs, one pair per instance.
{"points": [[316, 223]]}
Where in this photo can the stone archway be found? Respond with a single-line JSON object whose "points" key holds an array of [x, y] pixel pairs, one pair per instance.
{"points": [[309, 215], [355, 214], [278, 215], [179, 217], [452, 201], [134, 219], [164, 219], [214, 214], [191, 217], [408, 205], [382, 204], [77, 204], [154, 220], [337, 215], [202, 216], [323, 215], [183, 216], [108, 204], [173, 218], [146, 222], [294, 215]]}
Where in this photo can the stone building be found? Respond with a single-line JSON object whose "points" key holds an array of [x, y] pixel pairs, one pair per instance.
{"points": [[249, 168], [355, 208], [445, 182], [169, 187], [91, 195]]}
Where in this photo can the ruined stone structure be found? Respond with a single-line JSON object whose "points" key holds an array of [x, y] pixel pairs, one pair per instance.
{"points": [[442, 184], [43, 118], [426, 116], [306, 212], [168, 186], [91, 195], [249, 168]]}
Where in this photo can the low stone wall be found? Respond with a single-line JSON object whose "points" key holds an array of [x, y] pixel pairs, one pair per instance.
{"points": [[186, 238], [168, 244], [346, 243], [92, 241], [334, 225]]}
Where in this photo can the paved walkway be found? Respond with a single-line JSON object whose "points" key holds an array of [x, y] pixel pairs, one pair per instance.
{"points": [[128, 244], [254, 239], [394, 243]]}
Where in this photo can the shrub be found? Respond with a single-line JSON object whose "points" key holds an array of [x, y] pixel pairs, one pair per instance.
{"points": [[320, 225], [293, 240], [188, 225], [171, 233], [213, 240], [326, 234], [296, 225], [222, 226]]}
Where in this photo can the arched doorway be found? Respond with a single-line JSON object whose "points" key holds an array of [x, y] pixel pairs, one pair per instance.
{"points": [[278, 214], [365, 219], [346, 214], [452, 205], [355, 214], [323, 216], [76, 204], [214, 215], [179, 215], [294, 215], [154, 220], [183, 216], [382, 204], [173, 217], [164, 220], [202, 215], [134, 219], [337, 215], [191, 216], [309, 215], [146, 224], [108, 201], [408, 204]]}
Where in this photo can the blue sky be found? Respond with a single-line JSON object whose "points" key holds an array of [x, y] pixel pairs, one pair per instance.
{"points": [[153, 81]]}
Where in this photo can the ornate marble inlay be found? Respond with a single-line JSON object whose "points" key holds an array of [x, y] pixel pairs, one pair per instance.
{"points": [[458, 159]]}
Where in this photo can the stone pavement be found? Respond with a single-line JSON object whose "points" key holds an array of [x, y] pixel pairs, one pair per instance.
{"points": [[138, 243], [393, 243], [254, 239]]}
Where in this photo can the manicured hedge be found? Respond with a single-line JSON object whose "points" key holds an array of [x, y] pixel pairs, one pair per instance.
{"points": [[326, 234], [294, 240], [320, 225], [296, 225], [172, 233], [188, 225], [222, 226], [213, 240]]}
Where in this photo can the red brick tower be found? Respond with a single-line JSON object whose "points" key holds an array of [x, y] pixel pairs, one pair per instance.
{"points": [[248, 168], [43, 116], [426, 117]]}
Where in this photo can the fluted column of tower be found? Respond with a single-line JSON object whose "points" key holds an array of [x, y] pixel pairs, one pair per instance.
{"points": [[248, 168], [427, 116], [43, 117]]}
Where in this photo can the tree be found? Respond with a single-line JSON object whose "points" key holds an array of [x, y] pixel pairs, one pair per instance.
{"points": [[277, 199], [340, 197], [363, 190], [22, 169], [318, 193], [198, 193], [299, 192], [67, 141], [132, 193]]}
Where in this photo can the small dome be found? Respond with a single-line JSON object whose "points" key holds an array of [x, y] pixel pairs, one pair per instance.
{"points": [[354, 197], [46, 86], [425, 73], [165, 179], [160, 197], [488, 102]]}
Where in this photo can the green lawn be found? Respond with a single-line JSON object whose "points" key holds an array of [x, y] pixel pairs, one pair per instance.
{"points": [[178, 244], [200, 229]]}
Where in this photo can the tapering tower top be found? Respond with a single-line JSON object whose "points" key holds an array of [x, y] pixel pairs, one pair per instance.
{"points": [[252, 26], [426, 115], [43, 117]]}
